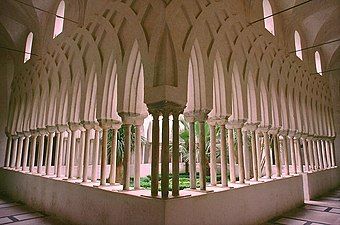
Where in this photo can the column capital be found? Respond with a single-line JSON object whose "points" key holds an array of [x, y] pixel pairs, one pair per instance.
{"points": [[132, 119], [235, 124], [34, 133], [264, 129], [250, 126], [108, 123], [214, 121], [163, 107], [88, 125], [51, 129], [283, 132], [274, 131], [20, 134], [27, 133], [42, 131], [62, 128], [75, 126], [291, 133]]}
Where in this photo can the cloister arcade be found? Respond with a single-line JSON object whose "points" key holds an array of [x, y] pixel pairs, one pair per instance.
{"points": [[145, 67]]}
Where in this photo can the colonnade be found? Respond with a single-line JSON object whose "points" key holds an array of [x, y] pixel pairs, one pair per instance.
{"points": [[248, 152]]}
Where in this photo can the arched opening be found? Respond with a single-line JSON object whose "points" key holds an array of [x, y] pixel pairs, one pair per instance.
{"points": [[268, 22], [298, 45], [318, 63], [59, 19], [28, 48]]}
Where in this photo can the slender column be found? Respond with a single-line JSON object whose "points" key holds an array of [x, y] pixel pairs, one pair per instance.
{"points": [[328, 153], [112, 176], [310, 153], [231, 155], [73, 129], [298, 153], [292, 153], [285, 153], [332, 152], [138, 145], [88, 126], [103, 164], [68, 153], [305, 153], [192, 153], [318, 143], [61, 129], [267, 154], [81, 153], [224, 172], [202, 155], [96, 153], [254, 155], [42, 133], [19, 156], [213, 166], [315, 153], [14, 151], [246, 154], [127, 152], [155, 154], [165, 155], [258, 152], [51, 130], [26, 147], [58, 143], [323, 152], [33, 150], [8, 150], [277, 154], [175, 155]]}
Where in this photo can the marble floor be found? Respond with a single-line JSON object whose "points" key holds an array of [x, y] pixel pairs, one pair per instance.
{"points": [[325, 210], [18, 214]]}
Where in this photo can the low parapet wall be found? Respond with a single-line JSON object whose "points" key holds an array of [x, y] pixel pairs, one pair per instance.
{"points": [[80, 204], [320, 182]]}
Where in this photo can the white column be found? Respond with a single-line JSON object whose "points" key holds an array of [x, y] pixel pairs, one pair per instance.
{"points": [[8, 150], [19, 155], [113, 162], [68, 153], [277, 154], [268, 165], [305, 153], [14, 151], [103, 164], [258, 152], [231, 155], [202, 156], [298, 154], [223, 150], [292, 153], [26, 147], [246, 154], [42, 133], [51, 131], [165, 155], [328, 153], [81, 153], [95, 154], [138, 145], [73, 129], [33, 150], [323, 152], [285, 153], [127, 152], [332, 152], [310, 153], [254, 155], [88, 126], [319, 148], [175, 154], [155, 153], [192, 152], [213, 166]]}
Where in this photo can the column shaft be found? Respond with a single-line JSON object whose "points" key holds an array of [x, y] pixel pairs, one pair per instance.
{"points": [[8, 150], [246, 155], [25, 157], [68, 154], [192, 155], [332, 153], [292, 154], [19, 156], [277, 155], [318, 143], [311, 154], [268, 165], [165, 156], [328, 154], [175, 156], [56, 152], [231, 155], [96, 154], [298, 154], [32, 155], [138, 146], [14, 152], [81, 154], [155, 155], [72, 154], [224, 170], [323, 152], [103, 158], [126, 160], [213, 167], [315, 153], [49, 152], [305, 154], [41, 152], [254, 155], [86, 155], [285, 153], [113, 168]]}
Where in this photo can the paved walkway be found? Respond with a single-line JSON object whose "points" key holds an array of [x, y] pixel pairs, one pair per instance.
{"points": [[18, 214], [325, 210]]}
